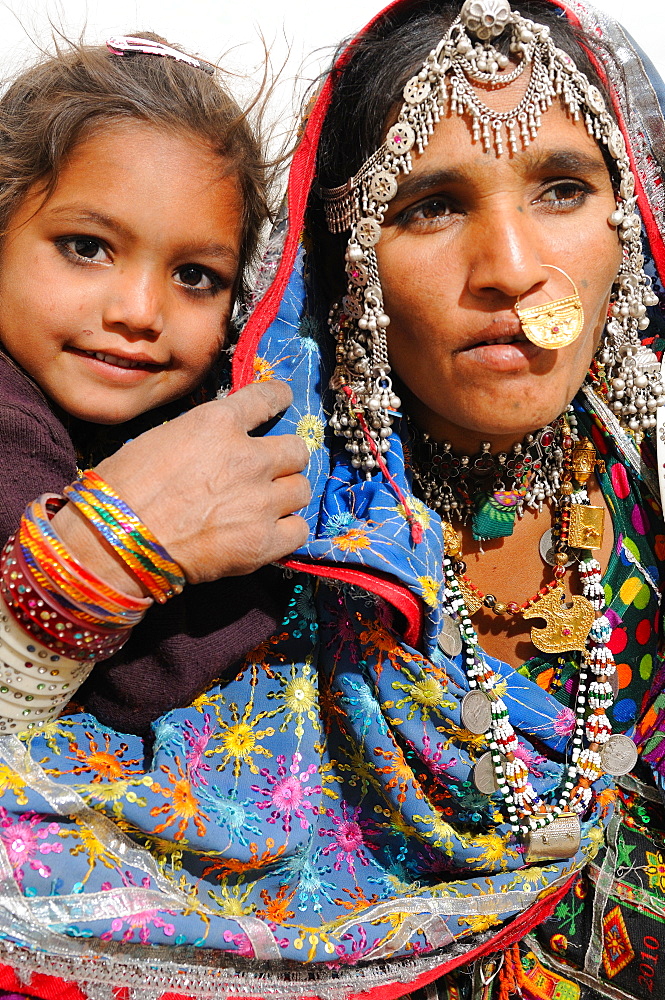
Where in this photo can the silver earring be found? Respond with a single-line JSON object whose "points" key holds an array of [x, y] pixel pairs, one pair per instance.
{"points": [[635, 390], [365, 402]]}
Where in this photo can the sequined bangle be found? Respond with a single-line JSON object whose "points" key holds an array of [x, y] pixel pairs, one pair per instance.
{"points": [[35, 682], [55, 599], [47, 620], [129, 537]]}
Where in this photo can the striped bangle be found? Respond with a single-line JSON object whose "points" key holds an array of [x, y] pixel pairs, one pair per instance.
{"points": [[39, 539], [117, 523]]}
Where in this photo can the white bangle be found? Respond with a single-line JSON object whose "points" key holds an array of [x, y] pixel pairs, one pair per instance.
{"points": [[35, 682]]}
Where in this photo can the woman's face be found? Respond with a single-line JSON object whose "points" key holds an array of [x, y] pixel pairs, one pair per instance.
{"points": [[467, 233]]}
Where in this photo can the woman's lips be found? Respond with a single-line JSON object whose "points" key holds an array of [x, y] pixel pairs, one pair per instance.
{"points": [[501, 346]]}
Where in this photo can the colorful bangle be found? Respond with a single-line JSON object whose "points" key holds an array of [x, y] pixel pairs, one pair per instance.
{"points": [[133, 541], [38, 537]]}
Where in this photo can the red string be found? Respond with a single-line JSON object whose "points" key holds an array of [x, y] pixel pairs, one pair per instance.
{"points": [[417, 533]]}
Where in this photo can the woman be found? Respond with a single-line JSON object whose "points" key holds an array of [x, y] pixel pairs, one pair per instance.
{"points": [[413, 776]]}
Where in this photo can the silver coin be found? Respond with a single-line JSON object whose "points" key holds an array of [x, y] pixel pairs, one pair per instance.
{"points": [[484, 776], [450, 637], [547, 553], [476, 712], [619, 755]]}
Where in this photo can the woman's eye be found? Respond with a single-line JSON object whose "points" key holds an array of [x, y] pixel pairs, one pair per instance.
{"points": [[426, 214], [195, 277], [566, 193]]}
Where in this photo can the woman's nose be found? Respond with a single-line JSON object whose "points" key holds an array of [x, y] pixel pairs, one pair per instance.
{"points": [[136, 303], [506, 256]]}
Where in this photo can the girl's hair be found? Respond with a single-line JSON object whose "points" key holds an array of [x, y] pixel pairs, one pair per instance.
{"points": [[367, 96], [57, 104]]}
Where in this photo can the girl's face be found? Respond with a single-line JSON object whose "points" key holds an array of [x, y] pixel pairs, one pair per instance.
{"points": [[466, 234], [115, 295]]}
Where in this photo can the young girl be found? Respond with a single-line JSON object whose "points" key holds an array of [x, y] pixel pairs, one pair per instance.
{"points": [[132, 192]]}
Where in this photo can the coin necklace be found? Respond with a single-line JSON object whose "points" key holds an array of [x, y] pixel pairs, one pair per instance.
{"points": [[550, 831]]}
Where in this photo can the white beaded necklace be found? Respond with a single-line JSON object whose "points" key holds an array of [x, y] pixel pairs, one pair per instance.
{"points": [[605, 753]]}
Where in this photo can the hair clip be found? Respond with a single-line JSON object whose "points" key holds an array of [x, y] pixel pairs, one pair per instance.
{"points": [[127, 45]]}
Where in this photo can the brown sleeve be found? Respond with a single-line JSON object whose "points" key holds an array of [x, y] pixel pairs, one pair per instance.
{"points": [[35, 457]]}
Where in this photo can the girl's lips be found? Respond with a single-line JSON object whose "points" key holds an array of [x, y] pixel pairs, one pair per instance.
{"points": [[123, 361]]}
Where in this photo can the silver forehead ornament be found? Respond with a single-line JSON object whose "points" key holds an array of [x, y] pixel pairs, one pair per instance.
{"points": [[467, 56]]}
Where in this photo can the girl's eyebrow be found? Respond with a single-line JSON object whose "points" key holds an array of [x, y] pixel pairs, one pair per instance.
{"points": [[74, 214]]}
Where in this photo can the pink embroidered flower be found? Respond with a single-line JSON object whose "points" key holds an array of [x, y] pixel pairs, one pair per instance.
{"points": [[197, 741], [530, 758], [24, 842], [242, 943], [348, 838], [288, 792], [139, 921]]}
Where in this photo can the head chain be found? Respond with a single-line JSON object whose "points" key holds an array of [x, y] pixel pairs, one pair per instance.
{"points": [[365, 401]]}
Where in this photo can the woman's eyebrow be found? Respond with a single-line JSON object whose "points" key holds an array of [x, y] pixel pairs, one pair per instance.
{"points": [[555, 161], [561, 161], [415, 184]]}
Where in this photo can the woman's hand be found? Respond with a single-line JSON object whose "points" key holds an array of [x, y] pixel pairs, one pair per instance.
{"points": [[219, 500]]}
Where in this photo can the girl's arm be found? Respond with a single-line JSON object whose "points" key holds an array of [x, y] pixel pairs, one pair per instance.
{"points": [[177, 651]]}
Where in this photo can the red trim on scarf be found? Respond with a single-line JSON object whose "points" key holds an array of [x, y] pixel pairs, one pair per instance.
{"points": [[377, 583], [52, 988], [301, 177]]}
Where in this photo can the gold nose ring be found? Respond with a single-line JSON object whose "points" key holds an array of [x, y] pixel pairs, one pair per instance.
{"points": [[554, 324]]}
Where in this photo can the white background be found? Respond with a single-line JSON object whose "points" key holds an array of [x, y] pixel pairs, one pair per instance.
{"points": [[300, 34]]}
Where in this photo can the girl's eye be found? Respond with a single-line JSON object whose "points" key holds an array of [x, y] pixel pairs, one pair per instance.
{"points": [[83, 248], [566, 194], [196, 278]]}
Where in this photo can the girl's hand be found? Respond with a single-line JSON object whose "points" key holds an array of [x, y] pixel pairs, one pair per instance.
{"points": [[219, 500]]}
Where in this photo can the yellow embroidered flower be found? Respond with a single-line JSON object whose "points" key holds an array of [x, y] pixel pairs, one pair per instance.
{"points": [[353, 541], [493, 850], [430, 590], [300, 695], [420, 512], [13, 782], [656, 871], [239, 740], [427, 692], [310, 428]]}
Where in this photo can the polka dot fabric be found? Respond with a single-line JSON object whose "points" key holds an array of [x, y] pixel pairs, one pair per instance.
{"points": [[631, 583]]}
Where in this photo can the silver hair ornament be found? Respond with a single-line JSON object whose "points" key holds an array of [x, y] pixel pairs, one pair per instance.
{"points": [[365, 401]]}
